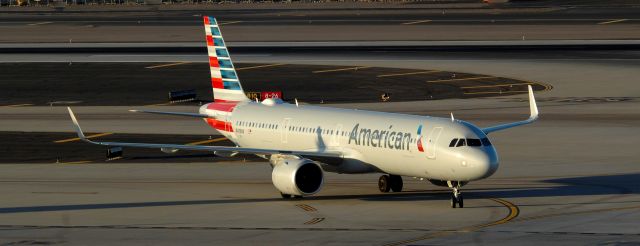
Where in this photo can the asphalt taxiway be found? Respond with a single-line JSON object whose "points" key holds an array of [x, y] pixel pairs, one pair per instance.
{"points": [[571, 177]]}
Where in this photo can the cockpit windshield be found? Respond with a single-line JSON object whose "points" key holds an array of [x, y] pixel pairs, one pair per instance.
{"points": [[473, 142]]}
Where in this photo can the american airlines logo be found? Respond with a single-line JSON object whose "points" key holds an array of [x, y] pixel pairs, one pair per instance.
{"points": [[388, 138]]}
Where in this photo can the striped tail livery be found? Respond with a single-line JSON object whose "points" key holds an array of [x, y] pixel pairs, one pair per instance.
{"points": [[224, 79]]}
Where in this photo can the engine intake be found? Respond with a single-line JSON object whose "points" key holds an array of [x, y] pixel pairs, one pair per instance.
{"points": [[299, 177]]}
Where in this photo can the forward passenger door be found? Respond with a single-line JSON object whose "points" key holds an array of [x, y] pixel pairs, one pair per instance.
{"points": [[432, 140]]}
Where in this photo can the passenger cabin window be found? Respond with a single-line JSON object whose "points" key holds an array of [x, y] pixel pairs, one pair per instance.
{"points": [[453, 142]]}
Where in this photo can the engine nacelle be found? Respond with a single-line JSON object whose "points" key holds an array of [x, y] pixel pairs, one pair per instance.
{"points": [[296, 176]]}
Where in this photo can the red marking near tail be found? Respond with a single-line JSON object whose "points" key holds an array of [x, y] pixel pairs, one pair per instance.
{"points": [[209, 41], [220, 125], [217, 83], [213, 62], [206, 20], [222, 100], [226, 106]]}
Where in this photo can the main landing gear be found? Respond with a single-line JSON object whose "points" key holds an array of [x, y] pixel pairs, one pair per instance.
{"points": [[456, 196], [288, 196], [388, 183]]}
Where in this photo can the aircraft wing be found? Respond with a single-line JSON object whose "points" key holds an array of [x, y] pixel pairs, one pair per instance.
{"points": [[202, 148], [533, 116]]}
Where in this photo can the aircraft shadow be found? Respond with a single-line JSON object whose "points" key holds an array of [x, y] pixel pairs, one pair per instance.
{"points": [[579, 186]]}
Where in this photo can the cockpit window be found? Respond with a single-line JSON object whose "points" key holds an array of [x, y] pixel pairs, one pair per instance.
{"points": [[485, 142], [453, 142], [473, 142], [461, 142]]}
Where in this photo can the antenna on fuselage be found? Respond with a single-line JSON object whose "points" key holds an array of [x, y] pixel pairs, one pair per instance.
{"points": [[296, 99], [452, 119]]}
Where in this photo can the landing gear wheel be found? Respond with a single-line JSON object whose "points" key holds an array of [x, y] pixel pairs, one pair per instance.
{"points": [[454, 201], [384, 183], [456, 196], [285, 196], [396, 183]]}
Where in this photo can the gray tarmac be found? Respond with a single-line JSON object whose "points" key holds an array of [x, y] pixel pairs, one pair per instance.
{"points": [[343, 22], [110, 84], [570, 178]]}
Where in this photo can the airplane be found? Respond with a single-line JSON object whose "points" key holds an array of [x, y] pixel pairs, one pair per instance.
{"points": [[301, 142]]}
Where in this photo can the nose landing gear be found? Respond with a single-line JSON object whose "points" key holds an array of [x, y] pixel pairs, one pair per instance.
{"points": [[456, 196], [388, 183]]}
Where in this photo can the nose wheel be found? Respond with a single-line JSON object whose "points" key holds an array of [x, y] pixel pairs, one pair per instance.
{"points": [[456, 199], [456, 195], [388, 183]]}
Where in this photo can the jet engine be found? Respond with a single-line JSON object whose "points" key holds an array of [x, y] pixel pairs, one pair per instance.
{"points": [[296, 176]]}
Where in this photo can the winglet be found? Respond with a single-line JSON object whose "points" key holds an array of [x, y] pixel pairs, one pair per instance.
{"points": [[532, 104], [533, 117], [76, 125]]}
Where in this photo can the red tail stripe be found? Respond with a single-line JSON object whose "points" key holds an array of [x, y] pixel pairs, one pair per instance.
{"points": [[420, 145], [222, 100], [220, 125], [217, 83], [206, 20], [213, 61], [209, 41], [226, 107]]}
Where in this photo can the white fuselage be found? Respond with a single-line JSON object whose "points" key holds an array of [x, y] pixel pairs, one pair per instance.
{"points": [[399, 144]]}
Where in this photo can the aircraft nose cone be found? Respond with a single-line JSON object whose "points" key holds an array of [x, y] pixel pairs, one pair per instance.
{"points": [[492, 166], [486, 164], [489, 163]]}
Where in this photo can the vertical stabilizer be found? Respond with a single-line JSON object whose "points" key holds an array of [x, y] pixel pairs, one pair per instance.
{"points": [[224, 79]]}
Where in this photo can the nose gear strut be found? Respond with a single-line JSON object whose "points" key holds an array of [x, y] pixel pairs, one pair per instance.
{"points": [[456, 196]]}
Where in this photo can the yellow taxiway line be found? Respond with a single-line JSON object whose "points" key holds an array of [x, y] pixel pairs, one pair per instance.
{"points": [[339, 69], [260, 66], [403, 74], [207, 141], [39, 23], [167, 65], [491, 86], [76, 139], [229, 22], [416, 22], [513, 213], [494, 92], [76, 162], [612, 21], [460, 79]]}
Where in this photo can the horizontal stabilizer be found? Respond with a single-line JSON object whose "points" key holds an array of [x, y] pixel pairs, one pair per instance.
{"points": [[171, 113]]}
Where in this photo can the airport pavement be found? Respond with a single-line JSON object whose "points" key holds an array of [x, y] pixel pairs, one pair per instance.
{"points": [[510, 22], [572, 178], [117, 84]]}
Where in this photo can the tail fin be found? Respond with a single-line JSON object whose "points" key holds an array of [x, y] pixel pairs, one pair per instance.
{"points": [[224, 79]]}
